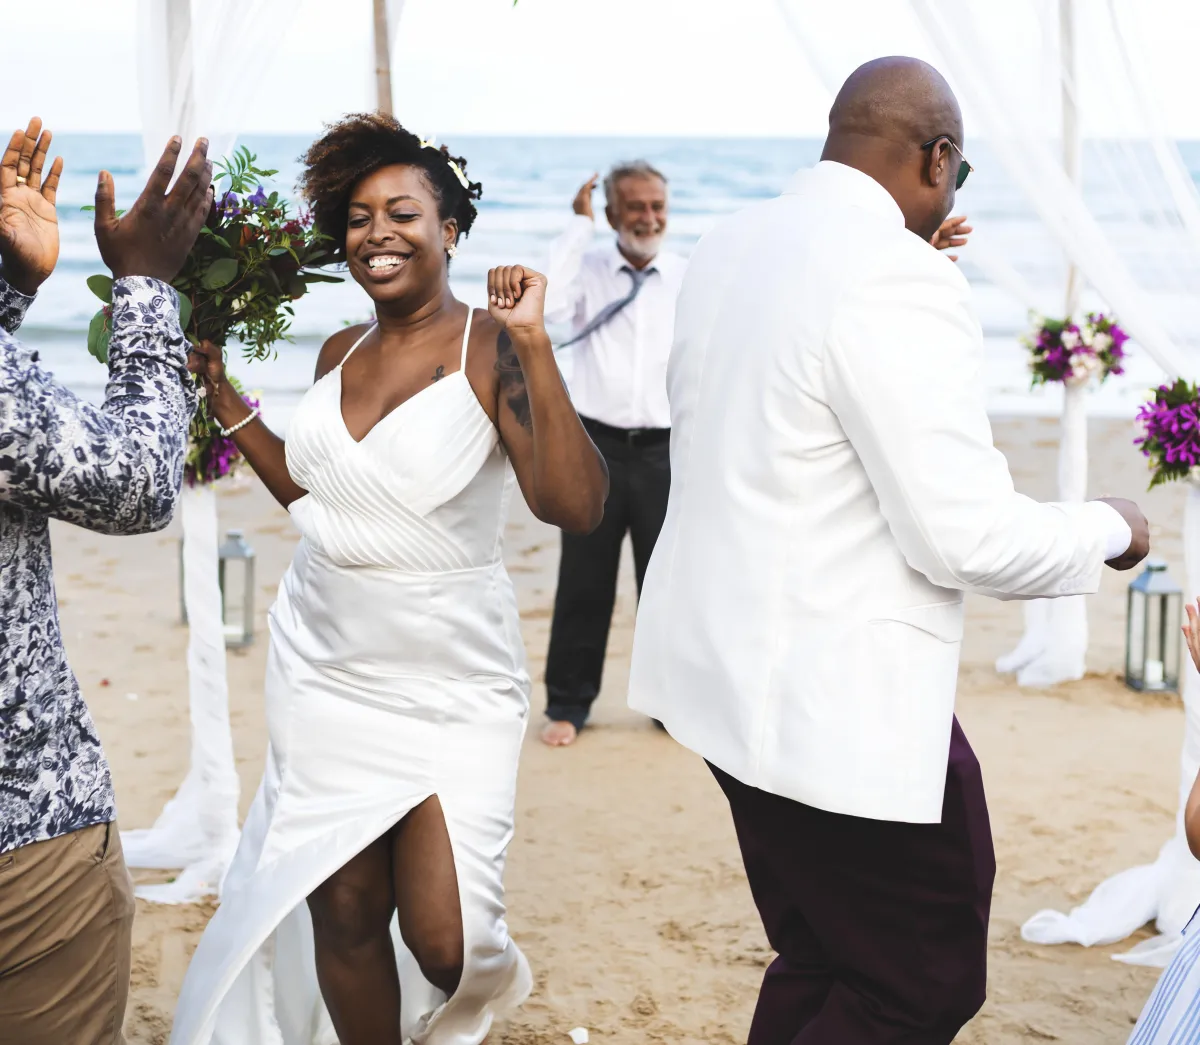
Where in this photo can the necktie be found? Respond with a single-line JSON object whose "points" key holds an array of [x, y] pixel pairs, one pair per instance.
{"points": [[611, 309]]}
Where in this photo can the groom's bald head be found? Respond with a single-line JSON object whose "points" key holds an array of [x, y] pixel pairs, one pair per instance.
{"points": [[881, 117]]}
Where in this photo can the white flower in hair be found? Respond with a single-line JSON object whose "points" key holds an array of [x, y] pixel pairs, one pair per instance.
{"points": [[458, 171]]}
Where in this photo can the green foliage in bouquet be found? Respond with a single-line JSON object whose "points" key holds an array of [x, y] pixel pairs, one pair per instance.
{"points": [[250, 262]]}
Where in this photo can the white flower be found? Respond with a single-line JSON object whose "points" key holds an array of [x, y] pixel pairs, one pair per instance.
{"points": [[1080, 372], [1102, 342], [1086, 335], [1070, 339]]}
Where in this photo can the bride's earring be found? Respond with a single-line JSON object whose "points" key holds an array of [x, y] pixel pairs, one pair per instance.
{"points": [[452, 250]]}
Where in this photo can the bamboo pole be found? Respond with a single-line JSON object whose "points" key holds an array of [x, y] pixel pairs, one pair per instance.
{"points": [[1072, 137], [383, 59]]}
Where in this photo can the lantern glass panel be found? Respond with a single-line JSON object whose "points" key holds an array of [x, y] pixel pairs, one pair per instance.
{"points": [[1135, 639], [182, 600], [236, 576], [1153, 672], [1172, 638]]}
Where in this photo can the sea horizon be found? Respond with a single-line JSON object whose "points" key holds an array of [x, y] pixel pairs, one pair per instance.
{"points": [[529, 182]]}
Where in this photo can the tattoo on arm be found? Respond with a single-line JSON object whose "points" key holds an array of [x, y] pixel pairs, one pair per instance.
{"points": [[512, 381], [438, 374]]}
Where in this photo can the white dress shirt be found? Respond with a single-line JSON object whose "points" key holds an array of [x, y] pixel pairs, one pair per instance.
{"points": [[834, 491], [618, 374]]}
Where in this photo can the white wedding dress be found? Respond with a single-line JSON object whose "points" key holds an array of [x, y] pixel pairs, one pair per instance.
{"points": [[396, 671]]}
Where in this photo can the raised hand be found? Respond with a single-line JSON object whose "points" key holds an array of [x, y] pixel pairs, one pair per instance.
{"points": [[953, 233], [583, 198], [1191, 633], [517, 297], [28, 221], [154, 237]]}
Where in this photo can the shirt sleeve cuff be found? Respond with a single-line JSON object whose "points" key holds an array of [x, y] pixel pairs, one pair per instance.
{"points": [[145, 324], [13, 305], [579, 232], [1117, 534], [148, 292]]}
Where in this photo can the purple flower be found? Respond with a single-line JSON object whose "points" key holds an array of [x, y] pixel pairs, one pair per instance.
{"points": [[228, 205], [214, 456], [259, 199]]}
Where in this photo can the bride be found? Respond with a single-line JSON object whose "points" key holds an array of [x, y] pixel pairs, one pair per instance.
{"points": [[365, 904]]}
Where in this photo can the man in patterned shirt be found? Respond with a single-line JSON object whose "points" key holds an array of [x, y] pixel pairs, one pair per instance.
{"points": [[66, 901]]}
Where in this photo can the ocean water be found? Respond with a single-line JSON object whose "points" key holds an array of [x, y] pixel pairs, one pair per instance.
{"points": [[528, 187]]}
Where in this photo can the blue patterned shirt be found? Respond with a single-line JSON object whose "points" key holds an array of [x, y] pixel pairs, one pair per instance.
{"points": [[115, 469]]}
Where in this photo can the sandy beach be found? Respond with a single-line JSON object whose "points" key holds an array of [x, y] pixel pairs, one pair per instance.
{"points": [[625, 886]]}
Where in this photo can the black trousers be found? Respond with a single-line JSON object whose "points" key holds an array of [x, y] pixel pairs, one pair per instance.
{"points": [[881, 927], [639, 471]]}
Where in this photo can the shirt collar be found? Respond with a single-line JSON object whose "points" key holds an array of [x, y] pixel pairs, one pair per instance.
{"points": [[851, 184]]}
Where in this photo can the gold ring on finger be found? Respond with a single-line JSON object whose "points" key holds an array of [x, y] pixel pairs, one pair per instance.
{"points": [[21, 179]]}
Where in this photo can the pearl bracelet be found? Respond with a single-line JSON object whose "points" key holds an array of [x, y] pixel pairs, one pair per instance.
{"points": [[227, 432]]}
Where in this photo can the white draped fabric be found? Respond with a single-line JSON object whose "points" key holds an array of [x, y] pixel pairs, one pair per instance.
{"points": [[199, 61], [1130, 225], [198, 829], [196, 62]]}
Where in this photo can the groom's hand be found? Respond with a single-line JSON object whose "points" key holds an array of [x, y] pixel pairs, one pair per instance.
{"points": [[154, 237], [1139, 547]]}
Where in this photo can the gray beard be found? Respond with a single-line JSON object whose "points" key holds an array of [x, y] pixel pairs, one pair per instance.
{"points": [[640, 247]]}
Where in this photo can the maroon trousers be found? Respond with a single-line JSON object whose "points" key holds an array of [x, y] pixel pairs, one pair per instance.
{"points": [[880, 927]]}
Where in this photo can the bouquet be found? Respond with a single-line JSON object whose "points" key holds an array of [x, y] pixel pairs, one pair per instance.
{"points": [[1171, 423], [1062, 350], [251, 260]]}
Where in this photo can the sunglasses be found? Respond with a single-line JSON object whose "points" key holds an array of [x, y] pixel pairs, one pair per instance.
{"points": [[964, 168]]}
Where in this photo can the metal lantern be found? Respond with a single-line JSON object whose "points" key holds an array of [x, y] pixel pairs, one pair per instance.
{"points": [[235, 576], [1152, 630]]}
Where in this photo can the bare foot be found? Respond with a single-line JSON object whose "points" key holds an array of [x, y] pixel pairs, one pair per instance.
{"points": [[559, 734]]}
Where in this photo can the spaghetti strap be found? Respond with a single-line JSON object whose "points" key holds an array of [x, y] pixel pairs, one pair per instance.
{"points": [[355, 345], [462, 364]]}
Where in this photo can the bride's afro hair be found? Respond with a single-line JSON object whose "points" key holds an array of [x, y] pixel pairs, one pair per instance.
{"points": [[360, 144]]}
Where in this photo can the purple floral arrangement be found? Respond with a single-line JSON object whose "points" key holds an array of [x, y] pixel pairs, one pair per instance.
{"points": [[1171, 423], [1062, 350], [211, 455]]}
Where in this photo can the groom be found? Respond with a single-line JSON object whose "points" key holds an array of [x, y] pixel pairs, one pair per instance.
{"points": [[836, 491], [66, 901]]}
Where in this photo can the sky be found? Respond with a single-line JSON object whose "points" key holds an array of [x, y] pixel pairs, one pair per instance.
{"points": [[550, 67]]}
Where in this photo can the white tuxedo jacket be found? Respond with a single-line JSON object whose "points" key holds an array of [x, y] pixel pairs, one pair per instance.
{"points": [[834, 491]]}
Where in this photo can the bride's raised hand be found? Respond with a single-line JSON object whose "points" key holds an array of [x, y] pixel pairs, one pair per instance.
{"points": [[517, 298], [1191, 632], [28, 221]]}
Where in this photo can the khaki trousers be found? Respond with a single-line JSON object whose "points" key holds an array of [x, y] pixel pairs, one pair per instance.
{"points": [[66, 920]]}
